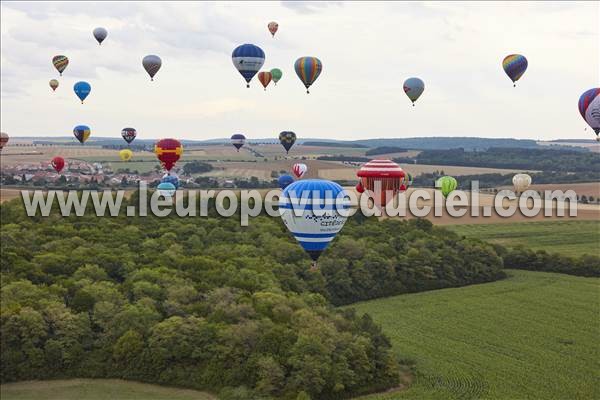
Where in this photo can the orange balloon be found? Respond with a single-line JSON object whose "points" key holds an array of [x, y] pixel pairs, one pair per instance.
{"points": [[265, 78]]}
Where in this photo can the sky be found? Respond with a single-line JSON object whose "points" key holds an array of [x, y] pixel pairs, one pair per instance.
{"points": [[367, 49]]}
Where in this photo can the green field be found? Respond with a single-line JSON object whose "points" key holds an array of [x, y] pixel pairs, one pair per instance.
{"points": [[531, 336], [566, 237], [96, 389]]}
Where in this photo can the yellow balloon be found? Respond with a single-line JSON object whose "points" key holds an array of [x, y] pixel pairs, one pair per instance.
{"points": [[125, 154]]}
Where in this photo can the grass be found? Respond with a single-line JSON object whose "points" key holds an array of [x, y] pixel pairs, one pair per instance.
{"points": [[96, 389], [531, 336], [574, 237]]}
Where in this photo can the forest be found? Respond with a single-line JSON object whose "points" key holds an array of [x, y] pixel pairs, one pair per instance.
{"points": [[561, 160], [207, 304]]}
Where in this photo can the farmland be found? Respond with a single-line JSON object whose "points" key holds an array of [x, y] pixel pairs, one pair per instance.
{"points": [[511, 339], [96, 389], [566, 237]]}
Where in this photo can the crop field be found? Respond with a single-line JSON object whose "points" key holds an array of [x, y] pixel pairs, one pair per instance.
{"points": [[566, 237], [531, 336], [587, 188], [96, 389], [262, 170], [35, 154], [418, 169]]}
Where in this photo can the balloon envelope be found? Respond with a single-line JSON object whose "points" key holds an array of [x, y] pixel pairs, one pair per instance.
{"points": [[521, 182], [284, 181], [151, 64], [413, 87], [589, 108], [382, 179], [248, 59], [60, 63], [100, 34], [287, 140], [58, 163], [514, 65], [309, 210], [166, 189], [125, 154], [308, 70], [82, 133], [273, 26], [168, 151], [238, 140], [82, 90], [299, 169], [53, 84], [276, 74], [446, 184], [128, 134], [264, 78]]}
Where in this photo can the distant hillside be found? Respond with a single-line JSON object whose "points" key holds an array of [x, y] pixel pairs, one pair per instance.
{"points": [[335, 144], [384, 150], [443, 143], [424, 143]]}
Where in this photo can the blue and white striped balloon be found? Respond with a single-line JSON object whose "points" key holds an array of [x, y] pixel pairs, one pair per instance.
{"points": [[248, 59], [310, 210]]}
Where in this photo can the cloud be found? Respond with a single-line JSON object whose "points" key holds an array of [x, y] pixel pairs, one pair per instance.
{"points": [[309, 7]]}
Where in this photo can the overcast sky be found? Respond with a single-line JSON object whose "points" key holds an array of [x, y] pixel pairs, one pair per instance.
{"points": [[367, 48]]}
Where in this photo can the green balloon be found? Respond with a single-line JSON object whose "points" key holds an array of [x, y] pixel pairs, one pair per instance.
{"points": [[276, 74], [446, 184]]}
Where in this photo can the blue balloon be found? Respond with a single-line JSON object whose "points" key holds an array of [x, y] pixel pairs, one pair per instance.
{"points": [[310, 209], [171, 178], [82, 90], [248, 59], [166, 189], [284, 181]]}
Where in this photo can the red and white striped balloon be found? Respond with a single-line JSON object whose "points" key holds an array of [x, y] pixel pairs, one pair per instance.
{"points": [[383, 179], [299, 170]]}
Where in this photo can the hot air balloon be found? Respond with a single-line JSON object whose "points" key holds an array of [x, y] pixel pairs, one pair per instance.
{"points": [[287, 139], [308, 70], [53, 84], [359, 187], [521, 182], [82, 133], [299, 170], [514, 65], [238, 140], [60, 63], [128, 134], [264, 78], [313, 230], [589, 108], [3, 140], [248, 59], [82, 90], [382, 179], [100, 34], [273, 26], [276, 74], [168, 152], [446, 184], [166, 189], [413, 87], [58, 163], [172, 178], [151, 64], [125, 154], [284, 181]]}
